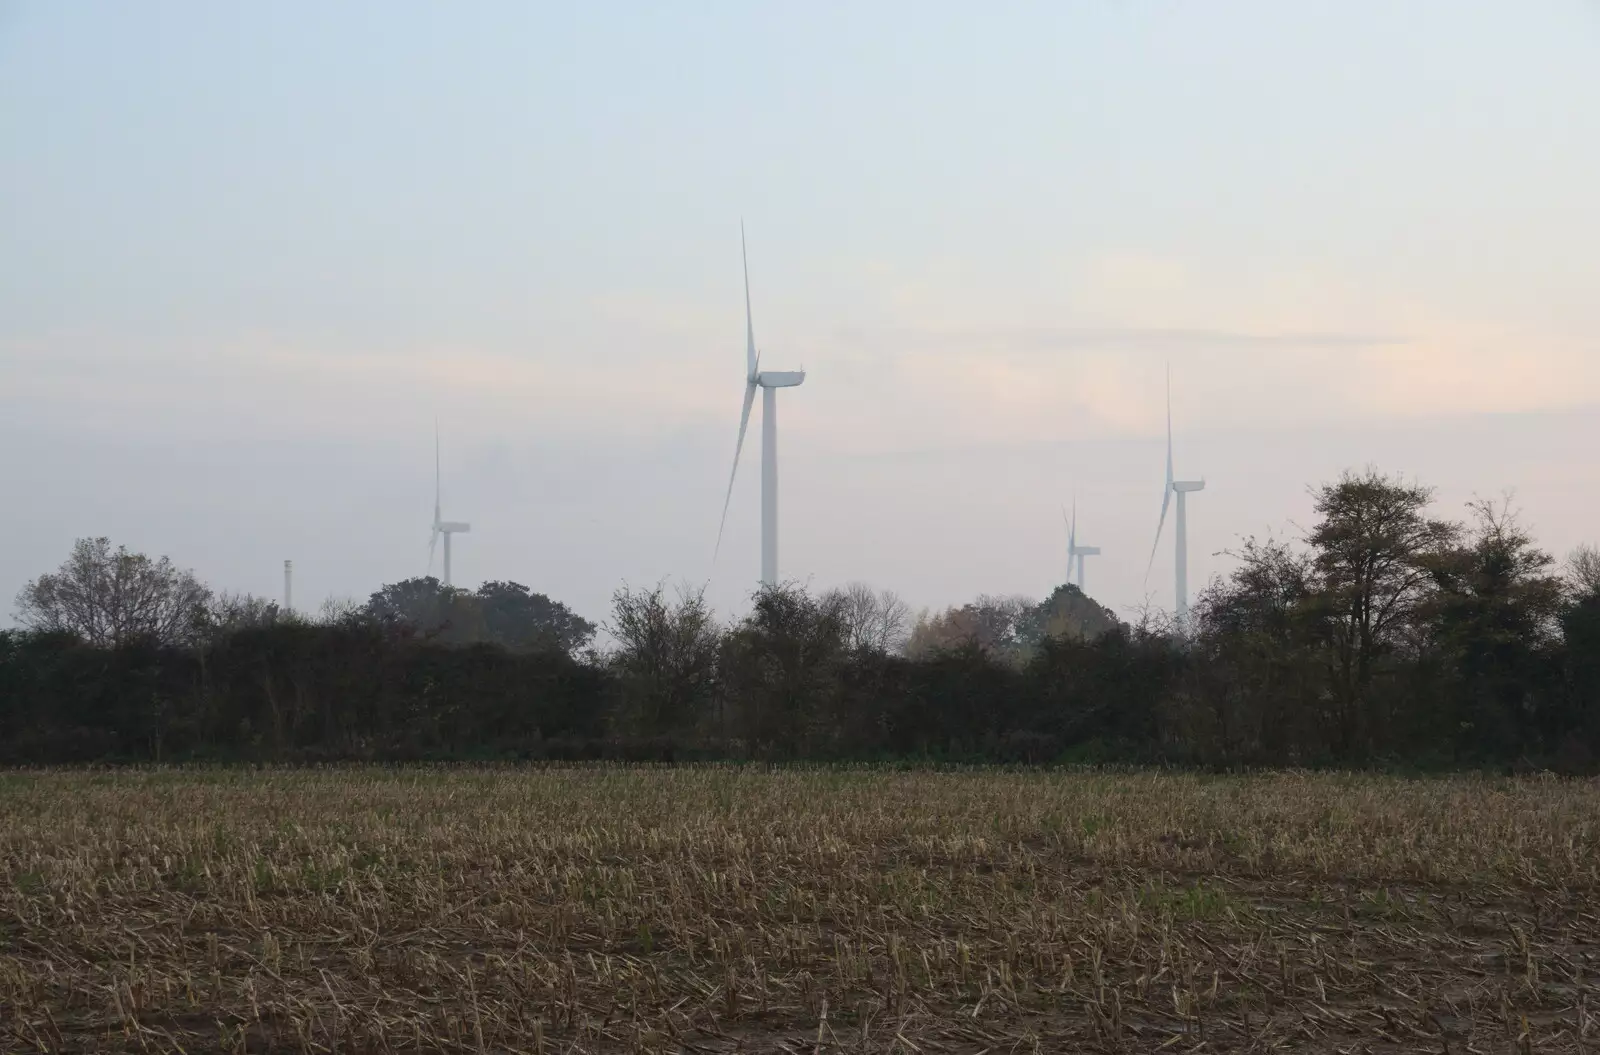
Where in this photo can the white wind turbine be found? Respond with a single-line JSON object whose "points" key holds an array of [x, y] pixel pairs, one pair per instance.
{"points": [[442, 527], [769, 381], [1075, 552], [1181, 488]]}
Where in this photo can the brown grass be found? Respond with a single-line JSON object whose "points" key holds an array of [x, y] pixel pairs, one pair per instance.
{"points": [[712, 910]]}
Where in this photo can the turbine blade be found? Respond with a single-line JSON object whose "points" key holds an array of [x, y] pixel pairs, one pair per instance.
{"points": [[436, 476], [1166, 493], [749, 320], [433, 540], [1169, 426], [744, 423], [1166, 500]]}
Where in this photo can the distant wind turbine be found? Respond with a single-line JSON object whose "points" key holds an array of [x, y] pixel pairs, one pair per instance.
{"points": [[1181, 488], [441, 527], [1075, 552], [769, 381]]}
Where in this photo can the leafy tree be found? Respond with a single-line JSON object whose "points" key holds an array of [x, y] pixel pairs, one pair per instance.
{"points": [[1580, 631], [507, 614], [427, 608], [1261, 673], [1496, 614], [111, 598], [1068, 613], [957, 698], [1373, 547], [516, 618], [780, 667], [1388, 633], [665, 662], [1108, 690]]}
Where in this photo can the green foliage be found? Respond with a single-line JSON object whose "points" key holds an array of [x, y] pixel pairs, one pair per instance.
{"points": [[1197, 901], [665, 663], [501, 613], [1068, 614], [780, 666], [1387, 637]]}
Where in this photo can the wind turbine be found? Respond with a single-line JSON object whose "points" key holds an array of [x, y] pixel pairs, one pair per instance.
{"points": [[442, 527], [1076, 552], [768, 381], [1181, 488]]}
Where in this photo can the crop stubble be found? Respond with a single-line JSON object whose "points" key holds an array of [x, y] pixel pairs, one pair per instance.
{"points": [[796, 910]]}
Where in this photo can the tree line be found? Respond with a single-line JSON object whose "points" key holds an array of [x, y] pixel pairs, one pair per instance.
{"points": [[1386, 635]]}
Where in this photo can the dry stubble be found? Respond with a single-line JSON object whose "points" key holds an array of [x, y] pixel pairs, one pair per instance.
{"points": [[807, 910]]}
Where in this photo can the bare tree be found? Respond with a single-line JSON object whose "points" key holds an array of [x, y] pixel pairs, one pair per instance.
{"points": [[874, 620], [113, 597], [1583, 571], [232, 612], [339, 611]]}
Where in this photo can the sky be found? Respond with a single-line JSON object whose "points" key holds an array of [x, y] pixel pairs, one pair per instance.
{"points": [[251, 253]]}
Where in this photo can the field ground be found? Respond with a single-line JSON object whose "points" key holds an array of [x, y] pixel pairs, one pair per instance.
{"points": [[800, 911]]}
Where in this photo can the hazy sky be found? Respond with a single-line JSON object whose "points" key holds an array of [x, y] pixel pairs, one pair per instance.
{"points": [[250, 252]]}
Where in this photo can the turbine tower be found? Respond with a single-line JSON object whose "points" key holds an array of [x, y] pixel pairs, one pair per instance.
{"points": [[1181, 488], [1075, 552], [441, 527], [768, 381]]}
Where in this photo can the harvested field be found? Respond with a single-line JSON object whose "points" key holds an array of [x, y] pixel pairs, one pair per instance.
{"points": [[724, 909]]}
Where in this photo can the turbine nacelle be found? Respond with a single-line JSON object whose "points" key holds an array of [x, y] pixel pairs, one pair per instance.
{"points": [[1185, 486], [780, 378], [1083, 551], [451, 527]]}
